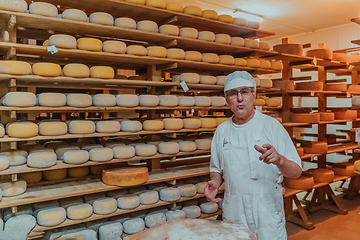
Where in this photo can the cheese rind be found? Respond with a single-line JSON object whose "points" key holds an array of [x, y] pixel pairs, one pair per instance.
{"points": [[76, 156], [193, 56], [110, 126], [15, 67], [76, 70], [41, 159], [154, 219], [223, 38], [147, 26], [145, 150], [55, 175], [301, 183], [43, 9], [203, 101], [323, 53], [22, 129], [240, 62], [148, 100], [74, 14], [62, 41], [11, 189], [16, 157], [79, 211], [314, 86], [192, 211], [193, 10], [129, 176], [206, 36], [186, 101], [208, 122], [78, 172], [175, 215], [127, 202], [346, 115], [157, 51], [89, 44], [136, 50], [264, 46], [101, 154], [49, 99], [156, 3], [170, 194], [174, 6], [290, 48], [127, 100], [149, 197], [250, 43], [125, 22], [168, 147], [104, 100], [226, 59], [327, 116], [237, 41], [203, 144], [251, 62], [130, 126], [124, 152], [210, 14], [46, 69], [335, 87], [272, 102], [153, 125], [173, 123], [104, 205], [305, 117], [278, 66], [51, 217], [175, 53], [102, 18], [14, 5], [190, 77], [344, 169], [209, 207], [19, 99], [104, 72], [168, 100], [192, 123], [315, 147], [110, 231], [79, 100], [187, 190], [323, 175], [259, 102], [287, 85], [52, 128], [169, 29], [188, 32], [218, 101], [81, 127], [206, 79], [133, 225]]}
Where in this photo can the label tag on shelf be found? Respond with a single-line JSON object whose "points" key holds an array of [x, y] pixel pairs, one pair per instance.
{"points": [[351, 67], [315, 61], [259, 108], [52, 49], [357, 135], [184, 86]]}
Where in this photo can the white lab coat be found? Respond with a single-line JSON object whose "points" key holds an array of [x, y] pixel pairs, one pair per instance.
{"points": [[253, 192]]}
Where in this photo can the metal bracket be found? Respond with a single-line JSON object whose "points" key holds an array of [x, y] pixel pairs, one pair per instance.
{"points": [[169, 20], [14, 177]]}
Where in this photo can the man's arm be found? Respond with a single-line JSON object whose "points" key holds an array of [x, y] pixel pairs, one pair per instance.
{"points": [[211, 188]]}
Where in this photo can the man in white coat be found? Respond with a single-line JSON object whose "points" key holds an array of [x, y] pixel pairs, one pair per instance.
{"points": [[250, 152]]}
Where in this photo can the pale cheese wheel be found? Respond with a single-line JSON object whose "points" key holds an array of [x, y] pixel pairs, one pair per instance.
{"points": [[301, 183], [241, 22], [252, 24], [259, 102], [174, 6], [265, 64], [128, 202], [77, 70], [130, 126], [218, 101], [76, 156], [52, 99], [210, 80], [89, 44], [16, 157], [43, 9], [22, 129], [169, 29], [346, 115], [51, 217], [104, 72], [289, 48], [147, 26], [21, 210], [188, 32], [79, 211], [327, 116], [226, 18], [220, 80], [344, 169], [264, 46], [4, 162], [305, 117], [200, 187], [46, 69], [277, 65], [175, 215], [127, 100], [209, 207], [266, 83], [123, 152], [168, 100], [125, 22], [210, 14], [186, 101], [136, 50], [15, 67], [251, 62], [272, 102], [324, 53], [355, 100], [153, 125], [170, 194], [187, 146], [187, 190], [133, 225], [203, 101], [156, 51], [142, 2], [126, 176], [149, 197], [313, 86], [173, 123], [149, 100], [322, 175], [55, 175], [193, 10], [221, 120], [52, 128], [145, 150], [190, 77], [193, 56], [81, 127], [104, 205], [61, 150], [14, 5], [192, 123], [79, 100], [101, 154], [223, 38], [114, 46], [104, 100], [78, 172], [315, 147], [154, 219], [208, 122], [192, 211], [156, 3], [74, 14], [62, 41], [250, 43], [110, 126], [335, 87], [168, 148], [19, 99], [11, 189], [175, 53], [286, 85], [111, 230], [210, 57], [226, 59], [357, 165], [102, 18], [242, 62], [41, 159], [206, 36], [237, 41], [203, 144]]}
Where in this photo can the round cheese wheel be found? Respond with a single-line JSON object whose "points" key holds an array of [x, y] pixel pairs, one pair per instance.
{"points": [[41, 159], [190, 77], [61, 150], [344, 169], [277, 65], [170, 194], [357, 165], [286, 85], [133, 225], [176, 53], [153, 125], [22, 129], [175, 215], [187, 190], [102, 18], [313, 86], [104, 205], [114, 47], [327, 116], [104, 100], [168, 148], [244, 62], [265, 64], [52, 128], [4, 162], [62, 41], [14, 5], [222, 38], [209, 207], [156, 3], [149, 100], [15, 67], [192, 211], [46, 69], [335, 87], [186, 101], [127, 100], [226, 18], [218, 101], [187, 146], [237, 41], [346, 115], [193, 56], [55, 175], [79, 100], [145, 150], [51, 216], [76, 156], [193, 10], [130, 126], [142, 2], [324, 53], [81, 127], [203, 101], [188, 32], [250, 43], [173, 123], [149, 197], [168, 100], [340, 57], [74, 14], [272, 102], [252, 24], [19, 99], [220, 80], [169, 29], [128, 202], [136, 50], [156, 51], [266, 83], [200, 187], [43, 8], [104, 72], [208, 122], [101, 154], [203, 144], [76, 70], [323, 175], [241, 22], [109, 126], [220, 120], [354, 89], [316, 147], [264, 46], [31, 177], [301, 183], [52, 99], [192, 123], [210, 14], [210, 57], [289, 48], [147, 26], [125, 22], [11, 189], [226, 59], [124, 152], [174, 6], [89, 44], [79, 211], [259, 102], [78, 172], [208, 80], [206, 36], [305, 117], [16, 157]]}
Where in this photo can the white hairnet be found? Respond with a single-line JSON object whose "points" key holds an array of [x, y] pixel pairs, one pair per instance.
{"points": [[239, 79]]}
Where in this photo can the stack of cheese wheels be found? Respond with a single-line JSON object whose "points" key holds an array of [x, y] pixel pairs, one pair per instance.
{"points": [[335, 87], [323, 53], [346, 115], [301, 183], [322, 175], [313, 86], [285, 85], [127, 176], [315, 147], [290, 48], [344, 169], [305, 117]]}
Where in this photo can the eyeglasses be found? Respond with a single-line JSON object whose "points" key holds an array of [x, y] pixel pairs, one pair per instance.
{"points": [[244, 92]]}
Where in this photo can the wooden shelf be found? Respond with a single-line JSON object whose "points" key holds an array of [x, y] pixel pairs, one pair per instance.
{"points": [[292, 124], [309, 93], [343, 147]]}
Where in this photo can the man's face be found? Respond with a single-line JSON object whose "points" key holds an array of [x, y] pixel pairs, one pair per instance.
{"points": [[241, 101]]}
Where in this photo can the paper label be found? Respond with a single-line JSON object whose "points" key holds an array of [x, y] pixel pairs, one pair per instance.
{"points": [[357, 135], [184, 86], [52, 49]]}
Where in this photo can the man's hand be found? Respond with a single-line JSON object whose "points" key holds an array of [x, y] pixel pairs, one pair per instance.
{"points": [[210, 192], [269, 155]]}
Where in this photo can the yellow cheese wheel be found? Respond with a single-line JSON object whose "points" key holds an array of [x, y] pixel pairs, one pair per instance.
{"points": [[206, 36], [210, 80], [114, 46], [157, 51], [305, 117], [46, 43], [62, 41], [176, 53], [102, 72], [102, 18], [272, 102], [240, 62], [169, 29], [354, 89], [264, 46], [192, 123], [210, 58], [22, 129], [340, 57], [313, 86], [147, 26], [137, 50], [77, 70], [250, 43], [335, 87], [344, 169], [322, 175], [52, 128], [277, 65], [125, 22], [173, 123], [220, 80], [237, 41], [55, 175], [208, 122], [251, 62], [226, 59], [153, 125], [265, 64], [193, 10], [226, 18], [301, 183], [346, 115], [223, 38], [190, 77], [210, 14], [31, 177], [78, 172], [259, 102], [156, 3], [289, 48], [323, 53], [174, 6], [124, 177], [15, 67], [327, 116], [90, 44], [142, 2], [357, 165], [193, 56], [315, 147], [46, 69]]}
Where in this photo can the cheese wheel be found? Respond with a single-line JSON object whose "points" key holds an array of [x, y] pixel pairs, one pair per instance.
{"points": [[192, 123], [76, 156], [206, 36], [193, 56], [272, 102], [264, 46], [127, 202], [346, 115], [19, 99], [16, 157], [218, 101], [210, 14], [102, 18], [241, 22], [43, 9], [175, 53], [126, 176], [250, 43], [237, 41], [193, 10], [323, 175], [305, 117], [168, 148], [79, 100], [21, 210], [74, 14], [192, 211], [187, 190], [225, 18], [41, 159], [344, 169], [127, 100], [168, 100], [335, 87], [289, 48], [62, 41], [173, 123], [125, 22], [174, 6], [79, 211], [340, 57], [188, 32], [210, 80], [277, 66], [187, 146], [323, 53], [265, 64], [55, 175], [156, 51], [220, 120], [220, 80], [133, 225], [251, 62], [210, 57], [313, 86], [203, 144], [154, 219], [61, 150], [175, 215], [355, 100], [147, 26], [136, 50], [170, 194], [153, 125], [130, 126], [241, 62], [327, 116], [4, 162], [259, 102], [109, 126], [89, 44], [52, 99], [101, 154], [14, 5], [78, 172], [301, 183], [252, 24], [202, 101], [145, 150], [81, 127], [52, 128], [316, 147], [51, 217], [209, 207], [300, 151], [149, 100], [102, 72], [354, 89], [104, 205], [104, 100], [149, 197], [15, 67], [46, 69], [208, 122], [190, 77], [156, 3], [169, 29], [226, 59], [222, 38], [22, 129], [77, 70], [123, 152], [286, 85], [200, 187], [111, 230], [11, 189], [186, 101]]}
